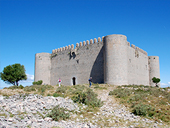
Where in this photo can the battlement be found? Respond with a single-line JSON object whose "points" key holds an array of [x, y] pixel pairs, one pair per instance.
{"points": [[81, 44], [92, 41], [137, 48], [110, 59]]}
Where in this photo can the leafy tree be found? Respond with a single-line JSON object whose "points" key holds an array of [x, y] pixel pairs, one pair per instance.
{"points": [[13, 73], [156, 80]]}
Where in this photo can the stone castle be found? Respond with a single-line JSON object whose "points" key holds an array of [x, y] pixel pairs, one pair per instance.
{"points": [[108, 60]]}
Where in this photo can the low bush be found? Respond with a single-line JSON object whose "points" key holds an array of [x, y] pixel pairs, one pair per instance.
{"points": [[15, 87], [138, 97], [57, 95], [121, 93], [58, 113], [61, 89], [88, 97], [144, 110], [29, 89], [40, 88], [145, 100], [37, 82]]}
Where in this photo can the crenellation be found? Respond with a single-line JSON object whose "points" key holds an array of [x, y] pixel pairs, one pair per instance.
{"points": [[66, 47], [95, 40], [63, 49], [133, 46], [91, 41], [84, 43], [102, 38], [80, 44], [77, 45], [87, 42], [72, 46], [55, 50], [69, 47], [128, 43], [58, 50], [99, 39]]}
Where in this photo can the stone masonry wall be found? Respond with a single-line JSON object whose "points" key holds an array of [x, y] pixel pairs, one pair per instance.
{"points": [[115, 60], [79, 63], [138, 69], [108, 60], [42, 67], [154, 70]]}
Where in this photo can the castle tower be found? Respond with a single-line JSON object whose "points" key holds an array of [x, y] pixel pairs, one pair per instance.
{"points": [[115, 60], [42, 67], [153, 69]]}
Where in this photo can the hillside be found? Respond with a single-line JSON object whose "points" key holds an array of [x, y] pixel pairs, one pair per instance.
{"points": [[30, 106]]}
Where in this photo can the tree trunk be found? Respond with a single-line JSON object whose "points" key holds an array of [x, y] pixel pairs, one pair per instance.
{"points": [[17, 83]]}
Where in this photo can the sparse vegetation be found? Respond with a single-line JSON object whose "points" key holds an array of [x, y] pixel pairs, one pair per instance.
{"points": [[87, 97], [14, 87], [150, 102], [145, 101], [37, 82], [58, 113], [61, 89], [97, 86]]}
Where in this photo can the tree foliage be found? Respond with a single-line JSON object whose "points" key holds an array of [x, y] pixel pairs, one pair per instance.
{"points": [[37, 83], [13, 73], [156, 80]]}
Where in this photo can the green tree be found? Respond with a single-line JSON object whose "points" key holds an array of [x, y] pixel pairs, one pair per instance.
{"points": [[13, 73], [156, 80]]}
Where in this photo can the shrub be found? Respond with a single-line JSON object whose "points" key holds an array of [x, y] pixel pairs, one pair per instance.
{"points": [[57, 95], [15, 87], [138, 97], [142, 109], [21, 87], [37, 83], [29, 89], [58, 113], [79, 87], [48, 94], [88, 97], [61, 89], [121, 93]]}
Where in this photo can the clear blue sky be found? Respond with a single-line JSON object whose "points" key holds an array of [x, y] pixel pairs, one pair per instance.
{"points": [[28, 27]]}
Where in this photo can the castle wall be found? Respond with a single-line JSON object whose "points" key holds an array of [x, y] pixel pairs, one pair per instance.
{"points": [[115, 60], [42, 67], [108, 60], [154, 70], [138, 69], [82, 62]]}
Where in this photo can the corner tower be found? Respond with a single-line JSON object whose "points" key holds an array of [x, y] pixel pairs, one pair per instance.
{"points": [[42, 67], [115, 60], [154, 70]]}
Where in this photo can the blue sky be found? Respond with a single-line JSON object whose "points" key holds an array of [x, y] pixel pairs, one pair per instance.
{"points": [[28, 27]]}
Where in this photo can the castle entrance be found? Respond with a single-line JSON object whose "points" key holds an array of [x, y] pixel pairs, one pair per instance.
{"points": [[74, 80]]}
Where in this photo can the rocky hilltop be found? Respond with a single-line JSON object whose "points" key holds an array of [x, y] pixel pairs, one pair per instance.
{"points": [[22, 110]]}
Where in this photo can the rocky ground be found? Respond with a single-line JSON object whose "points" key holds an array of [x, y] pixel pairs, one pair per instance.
{"points": [[30, 110]]}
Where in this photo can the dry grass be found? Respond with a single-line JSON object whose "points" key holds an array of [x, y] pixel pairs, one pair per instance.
{"points": [[157, 98]]}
